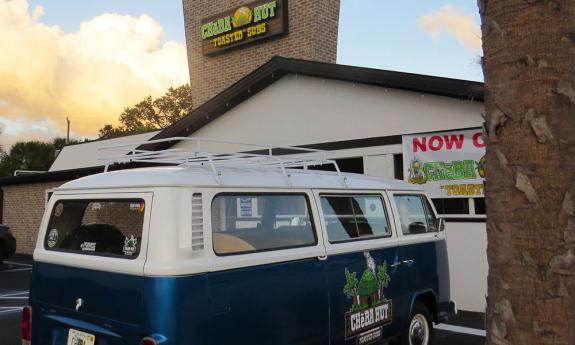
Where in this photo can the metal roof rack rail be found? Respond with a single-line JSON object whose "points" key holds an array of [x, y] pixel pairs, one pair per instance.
{"points": [[255, 155]]}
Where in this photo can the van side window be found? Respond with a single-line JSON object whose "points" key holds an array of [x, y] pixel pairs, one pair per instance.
{"points": [[431, 219], [414, 216], [243, 223], [349, 217]]}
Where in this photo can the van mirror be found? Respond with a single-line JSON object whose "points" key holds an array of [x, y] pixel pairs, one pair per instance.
{"points": [[440, 224]]}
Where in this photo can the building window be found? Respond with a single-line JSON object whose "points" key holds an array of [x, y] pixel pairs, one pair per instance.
{"points": [[479, 205], [398, 166], [452, 205], [348, 165]]}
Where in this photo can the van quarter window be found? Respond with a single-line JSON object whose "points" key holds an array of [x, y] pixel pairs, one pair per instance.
{"points": [[350, 217], [97, 227], [243, 223], [415, 214]]}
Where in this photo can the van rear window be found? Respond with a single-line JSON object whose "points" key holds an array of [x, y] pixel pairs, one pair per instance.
{"points": [[97, 227], [244, 223]]}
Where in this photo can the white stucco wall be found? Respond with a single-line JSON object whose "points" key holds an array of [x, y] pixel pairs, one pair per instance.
{"points": [[300, 110], [467, 248]]}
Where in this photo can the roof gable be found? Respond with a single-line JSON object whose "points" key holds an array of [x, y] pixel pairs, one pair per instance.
{"points": [[278, 67]]}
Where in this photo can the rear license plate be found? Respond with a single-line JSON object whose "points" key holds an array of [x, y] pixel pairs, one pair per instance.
{"points": [[80, 338]]}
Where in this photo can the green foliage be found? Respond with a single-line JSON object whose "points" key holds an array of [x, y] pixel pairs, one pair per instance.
{"points": [[152, 114], [382, 275], [350, 288], [368, 284], [30, 155]]}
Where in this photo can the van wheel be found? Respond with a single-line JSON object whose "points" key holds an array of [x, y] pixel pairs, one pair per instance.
{"points": [[419, 329]]}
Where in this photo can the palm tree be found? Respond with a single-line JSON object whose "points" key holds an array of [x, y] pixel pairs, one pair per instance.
{"points": [[529, 69], [350, 288], [383, 279]]}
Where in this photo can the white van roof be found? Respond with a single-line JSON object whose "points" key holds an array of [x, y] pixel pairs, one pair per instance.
{"points": [[233, 177]]}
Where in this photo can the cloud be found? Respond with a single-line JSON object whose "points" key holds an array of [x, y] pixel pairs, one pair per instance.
{"points": [[111, 62], [454, 22]]}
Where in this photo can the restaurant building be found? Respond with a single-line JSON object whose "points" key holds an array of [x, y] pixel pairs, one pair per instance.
{"points": [[371, 121]]}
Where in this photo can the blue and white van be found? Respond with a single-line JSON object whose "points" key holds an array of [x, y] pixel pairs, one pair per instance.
{"points": [[208, 254]]}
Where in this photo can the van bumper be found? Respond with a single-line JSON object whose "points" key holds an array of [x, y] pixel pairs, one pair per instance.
{"points": [[446, 311]]}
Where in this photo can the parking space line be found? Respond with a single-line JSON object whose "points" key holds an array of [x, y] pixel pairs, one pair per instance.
{"points": [[11, 310], [15, 294], [461, 329], [17, 263], [17, 270]]}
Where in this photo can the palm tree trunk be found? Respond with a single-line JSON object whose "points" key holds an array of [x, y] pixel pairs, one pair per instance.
{"points": [[529, 68]]}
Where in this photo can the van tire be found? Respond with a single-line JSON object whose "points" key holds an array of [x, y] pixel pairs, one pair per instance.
{"points": [[419, 327]]}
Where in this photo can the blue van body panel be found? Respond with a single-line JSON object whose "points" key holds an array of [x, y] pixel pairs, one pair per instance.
{"points": [[112, 305], [283, 303], [340, 304], [62, 285], [407, 283], [296, 302]]}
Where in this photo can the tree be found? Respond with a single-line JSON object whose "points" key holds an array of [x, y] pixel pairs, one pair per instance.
{"points": [[151, 114], [30, 155], [529, 69], [350, 287], [383, 278]]}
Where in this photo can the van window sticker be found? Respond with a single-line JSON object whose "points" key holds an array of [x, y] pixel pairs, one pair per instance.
{"points": [[58, 209], [130, 245], [137, 206], [52, 238], [370, 307], [88, 246]]}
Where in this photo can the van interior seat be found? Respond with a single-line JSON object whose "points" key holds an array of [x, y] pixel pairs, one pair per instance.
{"points": [[224, 243], [283, 236], [107, 238]]}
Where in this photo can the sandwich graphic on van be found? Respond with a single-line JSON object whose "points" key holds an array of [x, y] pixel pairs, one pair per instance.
{"points": [[370, 308]]}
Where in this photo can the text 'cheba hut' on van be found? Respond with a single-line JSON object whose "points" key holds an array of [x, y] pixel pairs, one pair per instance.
{"points": [[237, 248]]}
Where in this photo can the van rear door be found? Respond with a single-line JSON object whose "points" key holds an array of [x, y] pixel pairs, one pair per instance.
{"points": [[87, 283]]}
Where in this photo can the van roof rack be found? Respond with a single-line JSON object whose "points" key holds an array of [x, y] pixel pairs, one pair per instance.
{"points": [[255, 156]]}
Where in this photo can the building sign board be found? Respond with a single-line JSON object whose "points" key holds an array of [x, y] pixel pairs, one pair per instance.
{"points": [[243, 25], [446, 164]]}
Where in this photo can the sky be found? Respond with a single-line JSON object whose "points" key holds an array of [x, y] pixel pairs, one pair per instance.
{"points": [[88, 60]]}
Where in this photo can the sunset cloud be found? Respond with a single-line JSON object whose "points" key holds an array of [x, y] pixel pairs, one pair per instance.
{"points": [[455, 23], [111, 62]]}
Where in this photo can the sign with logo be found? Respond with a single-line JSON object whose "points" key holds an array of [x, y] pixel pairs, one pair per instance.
{"points": [[370, 309], [246, 24], [446, 164]]}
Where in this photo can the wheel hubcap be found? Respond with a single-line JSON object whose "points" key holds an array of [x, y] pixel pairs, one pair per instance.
{"points": [[418, 331]]}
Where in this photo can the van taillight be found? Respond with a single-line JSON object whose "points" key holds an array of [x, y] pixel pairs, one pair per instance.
{"points": [[26, 325], [148, 341]]}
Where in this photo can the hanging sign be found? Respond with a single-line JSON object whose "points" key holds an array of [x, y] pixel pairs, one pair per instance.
{"points": [[247, 24], [446, 164]]}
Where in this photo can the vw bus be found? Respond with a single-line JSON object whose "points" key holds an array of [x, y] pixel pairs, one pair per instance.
{"points": [[237, 249]]}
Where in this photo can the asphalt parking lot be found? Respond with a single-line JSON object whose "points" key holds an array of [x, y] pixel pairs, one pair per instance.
{"points": [[14, 285], [15, 282]]}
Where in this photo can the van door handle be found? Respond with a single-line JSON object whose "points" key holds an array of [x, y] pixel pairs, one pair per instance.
{"points": [[409, 262], [322, 257], [401, 263]]}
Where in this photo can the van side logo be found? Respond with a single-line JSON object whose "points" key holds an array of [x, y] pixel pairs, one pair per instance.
{"points": [[370, 308]]}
